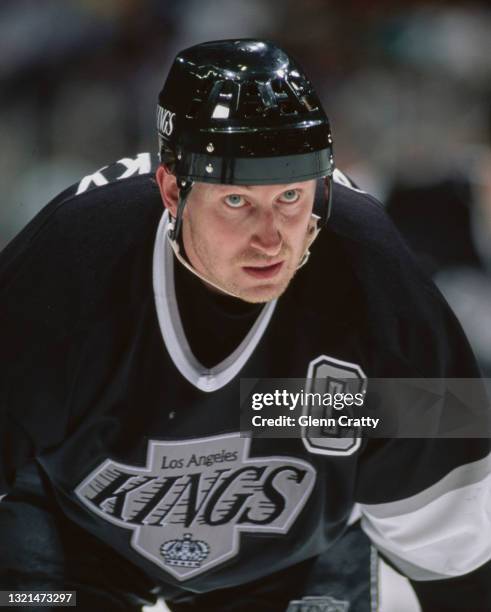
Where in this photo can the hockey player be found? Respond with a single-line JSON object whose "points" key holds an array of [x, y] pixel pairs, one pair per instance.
{"points": [[125, 333]]}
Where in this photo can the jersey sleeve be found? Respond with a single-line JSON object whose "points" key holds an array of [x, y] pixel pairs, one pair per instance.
{"points": [[441, 534], [426, 502], [39, 308], [56, 277]]}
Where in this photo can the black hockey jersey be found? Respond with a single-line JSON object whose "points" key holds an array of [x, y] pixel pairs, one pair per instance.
{"points": [[141, 442]]}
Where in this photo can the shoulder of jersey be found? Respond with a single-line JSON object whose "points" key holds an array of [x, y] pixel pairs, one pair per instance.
{"points": [[357, 215], [128, 173], [387, 291], [361, 225], [113, 206], [361, 237]]}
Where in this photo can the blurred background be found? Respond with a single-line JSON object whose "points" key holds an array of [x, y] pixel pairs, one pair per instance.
{"points": [[407, 86]]}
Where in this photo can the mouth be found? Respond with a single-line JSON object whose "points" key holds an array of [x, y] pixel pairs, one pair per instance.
{"points": [[263, 271]]}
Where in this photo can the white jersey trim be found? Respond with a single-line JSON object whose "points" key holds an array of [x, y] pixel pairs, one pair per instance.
{"points": [[341, 178], [205, 379], [442, 532]]}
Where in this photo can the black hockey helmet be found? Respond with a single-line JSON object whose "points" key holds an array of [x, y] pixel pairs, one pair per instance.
{"points": [[242, 112]]}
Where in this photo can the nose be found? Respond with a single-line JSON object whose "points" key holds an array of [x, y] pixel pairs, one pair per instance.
{"points": [[267, 237]]}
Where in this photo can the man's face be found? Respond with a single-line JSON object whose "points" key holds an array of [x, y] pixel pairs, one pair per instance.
{"points": [[248, 240]]}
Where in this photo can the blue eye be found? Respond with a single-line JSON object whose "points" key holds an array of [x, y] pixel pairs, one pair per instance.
{"points": [[290, 196], [234, 200]]}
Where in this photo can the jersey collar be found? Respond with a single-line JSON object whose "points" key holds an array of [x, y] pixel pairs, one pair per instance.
{"points": [[205, 379]]}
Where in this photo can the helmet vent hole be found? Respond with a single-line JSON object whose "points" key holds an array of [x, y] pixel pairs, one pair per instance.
{"points": [[298, 85], [250, 90], [251, 103], [194, 108], [310, 102], [288, 108], [200, 96], [227, 89], [279, 88]]}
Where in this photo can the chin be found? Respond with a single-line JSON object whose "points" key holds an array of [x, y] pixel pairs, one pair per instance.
{"points": [[261, 294]]}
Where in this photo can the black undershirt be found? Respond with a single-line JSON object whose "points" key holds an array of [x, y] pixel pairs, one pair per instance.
{"points": [[214, 323]]}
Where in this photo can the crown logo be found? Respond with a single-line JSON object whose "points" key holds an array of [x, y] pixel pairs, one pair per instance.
{"points": [[185, 552]]}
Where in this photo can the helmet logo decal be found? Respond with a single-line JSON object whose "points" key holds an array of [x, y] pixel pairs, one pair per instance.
{"points": [[165, 121]]}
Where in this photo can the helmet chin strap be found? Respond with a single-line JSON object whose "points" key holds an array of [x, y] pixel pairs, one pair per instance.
{"points": [[184, 191], [312, 234], [171, 232], [174, 230]]}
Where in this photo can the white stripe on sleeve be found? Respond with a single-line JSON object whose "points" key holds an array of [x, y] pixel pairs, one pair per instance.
{"points": [[441, 532]]}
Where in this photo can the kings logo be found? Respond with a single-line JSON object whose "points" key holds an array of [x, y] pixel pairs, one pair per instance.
{"points": [[187, 515]]}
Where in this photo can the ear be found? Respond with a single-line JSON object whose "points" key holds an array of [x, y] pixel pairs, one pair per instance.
{"points": [[168, 188]]}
